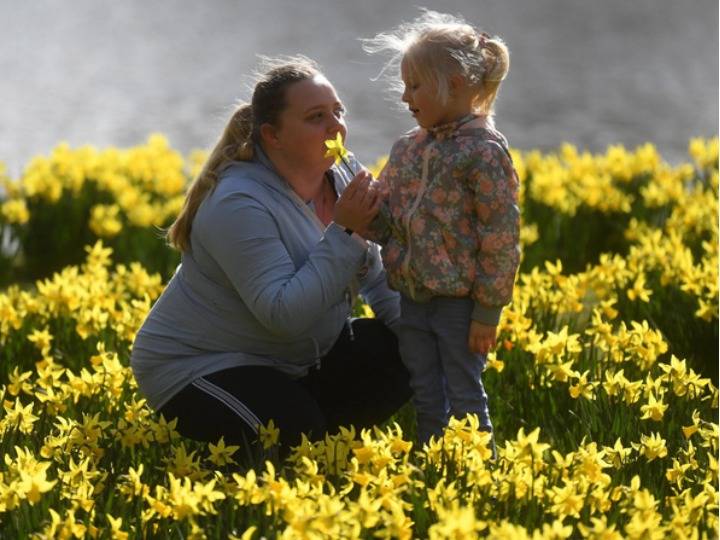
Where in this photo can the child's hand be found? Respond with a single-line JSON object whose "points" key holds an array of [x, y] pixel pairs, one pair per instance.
{"points": [[482, 337], [380, 187]]}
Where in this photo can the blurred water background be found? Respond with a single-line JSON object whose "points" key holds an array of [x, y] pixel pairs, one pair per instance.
{"points": [[588, 72]]}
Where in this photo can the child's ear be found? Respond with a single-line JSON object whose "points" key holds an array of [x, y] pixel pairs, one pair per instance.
{"points": [[457, 82]]}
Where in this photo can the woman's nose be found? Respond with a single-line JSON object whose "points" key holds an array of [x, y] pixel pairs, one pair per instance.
{"points": [[335, 125]]}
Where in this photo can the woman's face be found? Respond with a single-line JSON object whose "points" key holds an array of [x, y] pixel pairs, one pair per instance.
{"points": [[313, 114]]}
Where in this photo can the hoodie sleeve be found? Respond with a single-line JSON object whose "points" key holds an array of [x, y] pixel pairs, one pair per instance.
{"points": [[375, 290], [242, 236]]}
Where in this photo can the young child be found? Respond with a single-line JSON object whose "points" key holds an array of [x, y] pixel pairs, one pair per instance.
{"points": [[450, 225]]}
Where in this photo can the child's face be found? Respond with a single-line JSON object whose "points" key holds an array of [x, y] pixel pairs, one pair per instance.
{"points": [[423, 101]]}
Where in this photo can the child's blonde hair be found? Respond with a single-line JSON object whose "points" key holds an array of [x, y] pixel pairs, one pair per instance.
{"points": [[437, 46]]}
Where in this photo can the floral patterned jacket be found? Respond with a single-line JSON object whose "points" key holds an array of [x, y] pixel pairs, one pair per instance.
{"points": [[451, 223]]}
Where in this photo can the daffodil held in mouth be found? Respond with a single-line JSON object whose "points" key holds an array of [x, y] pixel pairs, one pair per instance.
{"points": [[336, 149]]}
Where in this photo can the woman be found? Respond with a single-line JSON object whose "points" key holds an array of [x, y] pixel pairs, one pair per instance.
{"points": [[254, 325]]}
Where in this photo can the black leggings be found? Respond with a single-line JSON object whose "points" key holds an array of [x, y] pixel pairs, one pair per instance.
{"points": [[360, 382]]}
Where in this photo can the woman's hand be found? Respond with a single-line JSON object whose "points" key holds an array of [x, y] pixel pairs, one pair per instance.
{"points": [[359, 203], [482, 337]]}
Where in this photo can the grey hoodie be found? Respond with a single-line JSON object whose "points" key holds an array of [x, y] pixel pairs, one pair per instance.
{"points": [[263, 284]]}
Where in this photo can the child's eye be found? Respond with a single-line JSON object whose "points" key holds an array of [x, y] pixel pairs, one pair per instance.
{"points": [[340, 112]]}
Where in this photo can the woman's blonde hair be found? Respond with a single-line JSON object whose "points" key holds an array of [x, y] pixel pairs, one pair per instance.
{"points": [[437, 46], [242, 132]]}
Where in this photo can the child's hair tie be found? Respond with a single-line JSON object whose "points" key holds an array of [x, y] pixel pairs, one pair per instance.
{"points": [[483, 38]]}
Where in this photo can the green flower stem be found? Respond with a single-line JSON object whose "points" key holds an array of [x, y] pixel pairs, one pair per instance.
{"points": [[347, 165]]}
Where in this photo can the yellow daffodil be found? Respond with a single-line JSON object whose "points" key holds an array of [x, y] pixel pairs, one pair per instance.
{"points": [[562, 372], [336, 149], [184, 464], [456, 522], [689, 431], [19, 416], [116, 528], [34, 484], [676, 474], [600, 530], [583, 387], [653, 409], [556, 530], [132, 485], [220, 454], [652, 447], [493, 362], [17, 382], [42, 340], [269, 434], [618, 454], [15, 211], [638, 290], [566, 501]]}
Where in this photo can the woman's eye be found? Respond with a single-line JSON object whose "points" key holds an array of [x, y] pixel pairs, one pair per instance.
{"points": [[320, 115]]}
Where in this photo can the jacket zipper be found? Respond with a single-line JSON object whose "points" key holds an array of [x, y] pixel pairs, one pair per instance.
{"points": [[405, 266]]}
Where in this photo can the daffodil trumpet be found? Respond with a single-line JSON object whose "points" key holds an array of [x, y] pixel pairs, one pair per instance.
{"points": [[336, 149]]}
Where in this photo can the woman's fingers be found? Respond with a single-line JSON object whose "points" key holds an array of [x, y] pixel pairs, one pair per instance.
{"points": [[356, 186], [359, 202], [350, 190], [362, 190]]}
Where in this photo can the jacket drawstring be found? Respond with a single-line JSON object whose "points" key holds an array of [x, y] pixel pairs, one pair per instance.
{"points": [[408, 217]]}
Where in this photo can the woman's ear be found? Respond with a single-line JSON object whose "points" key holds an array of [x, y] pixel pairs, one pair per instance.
{"points": [[268, 135]]}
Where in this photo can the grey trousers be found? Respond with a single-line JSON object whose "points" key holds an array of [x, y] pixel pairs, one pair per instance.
{"points": [[444, 375]]}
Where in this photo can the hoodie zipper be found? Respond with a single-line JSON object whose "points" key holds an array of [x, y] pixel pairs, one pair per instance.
{"points": [[321, 227]]}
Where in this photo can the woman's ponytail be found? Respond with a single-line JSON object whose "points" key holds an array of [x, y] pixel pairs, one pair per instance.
{"points": [[235, 144]]}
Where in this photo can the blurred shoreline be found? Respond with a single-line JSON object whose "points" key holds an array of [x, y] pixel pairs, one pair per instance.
{"points": [[591, 74]]}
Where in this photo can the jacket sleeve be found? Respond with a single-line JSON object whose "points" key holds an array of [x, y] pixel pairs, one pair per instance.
{"points": [[383, 227], [244, 239], [495, 185], [380, 229]]}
